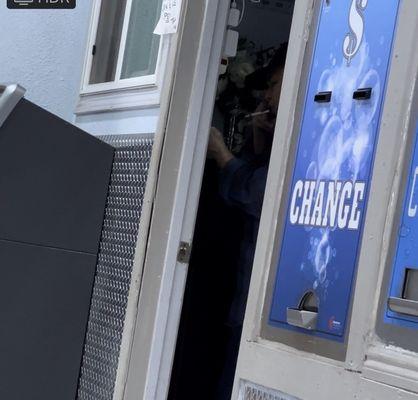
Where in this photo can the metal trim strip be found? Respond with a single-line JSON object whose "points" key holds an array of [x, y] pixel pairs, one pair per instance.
{"points": [[10, 95]]}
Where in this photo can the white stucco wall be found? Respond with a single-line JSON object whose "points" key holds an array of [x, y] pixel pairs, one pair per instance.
{"points": [[121, 122], [44, 50]]}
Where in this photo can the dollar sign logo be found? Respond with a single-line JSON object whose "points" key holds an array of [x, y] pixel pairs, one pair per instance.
{"points": [[354, 38]]}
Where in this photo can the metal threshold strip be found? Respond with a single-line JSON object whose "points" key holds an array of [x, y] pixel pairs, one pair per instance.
{"points": [[10, 95]]}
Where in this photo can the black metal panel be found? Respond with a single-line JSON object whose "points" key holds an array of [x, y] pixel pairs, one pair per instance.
{"points": [[53, 181], [44, 304]]}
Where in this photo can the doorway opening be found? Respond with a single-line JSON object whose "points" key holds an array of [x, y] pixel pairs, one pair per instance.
{"points": [[230, 204]]}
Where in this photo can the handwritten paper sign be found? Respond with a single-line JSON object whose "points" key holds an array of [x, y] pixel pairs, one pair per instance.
{"points": [[169, 19]]}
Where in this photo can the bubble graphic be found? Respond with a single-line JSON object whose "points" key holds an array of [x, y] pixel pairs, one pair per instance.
{"points": [[312, 171], [344, 144], [323, 116], [404, 231], [365, 114]]}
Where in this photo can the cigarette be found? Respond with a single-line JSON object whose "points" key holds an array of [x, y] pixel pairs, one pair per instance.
{"points": [[256, 114]]}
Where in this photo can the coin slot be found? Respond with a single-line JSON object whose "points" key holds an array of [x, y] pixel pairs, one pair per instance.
{"points": [[323, 97], [362, 94], [309, 302], [410, 289]]}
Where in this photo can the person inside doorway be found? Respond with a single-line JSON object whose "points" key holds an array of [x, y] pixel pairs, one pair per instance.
{"points": [[243, 179], [242, 185]]}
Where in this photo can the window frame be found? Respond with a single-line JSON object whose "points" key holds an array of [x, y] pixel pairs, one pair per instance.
{"points": [[119, 94]]}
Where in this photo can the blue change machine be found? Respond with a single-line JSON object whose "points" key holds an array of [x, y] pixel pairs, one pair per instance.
{"points": [[399, 305], [402, 301], [318, 249]]}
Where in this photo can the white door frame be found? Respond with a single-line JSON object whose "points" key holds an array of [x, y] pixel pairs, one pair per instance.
{"points": [[176, 200], [201, 107], [371, 366]]}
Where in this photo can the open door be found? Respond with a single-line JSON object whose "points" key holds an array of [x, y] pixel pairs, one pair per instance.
{"points": [[208, 39], [230, 203], [184, 123], [208, 36]]}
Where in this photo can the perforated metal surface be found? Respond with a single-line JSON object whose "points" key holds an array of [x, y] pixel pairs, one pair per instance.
{"points": [[114, 268], [250, 391]]}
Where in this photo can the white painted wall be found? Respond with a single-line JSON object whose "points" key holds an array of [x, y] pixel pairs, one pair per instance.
{"points": [[120, 122], [43, 50]]}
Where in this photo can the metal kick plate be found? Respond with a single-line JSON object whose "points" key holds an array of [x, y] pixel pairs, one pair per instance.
{"points": [[115, 263]]}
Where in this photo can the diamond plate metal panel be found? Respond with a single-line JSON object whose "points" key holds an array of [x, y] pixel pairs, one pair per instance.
{"points": [[251, 391], [114, 267]]}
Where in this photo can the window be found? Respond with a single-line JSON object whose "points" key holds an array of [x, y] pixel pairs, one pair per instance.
{"points": [[123, 56]]}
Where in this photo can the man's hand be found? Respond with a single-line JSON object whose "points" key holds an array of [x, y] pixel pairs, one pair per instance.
{"points": [[217, 149], [265, 121], [262, 124]]}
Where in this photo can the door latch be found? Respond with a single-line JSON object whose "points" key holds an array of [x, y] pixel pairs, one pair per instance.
{"points": [[183, 255]]}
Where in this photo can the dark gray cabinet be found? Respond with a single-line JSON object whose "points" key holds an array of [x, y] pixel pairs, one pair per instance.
{"points": [[54, 180]]}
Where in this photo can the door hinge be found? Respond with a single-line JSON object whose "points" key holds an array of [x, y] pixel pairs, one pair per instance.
{"points": [[184, 252], [93, 50]]}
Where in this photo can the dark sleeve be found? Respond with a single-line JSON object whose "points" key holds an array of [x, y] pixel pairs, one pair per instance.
{"points": [[243, 185]]}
